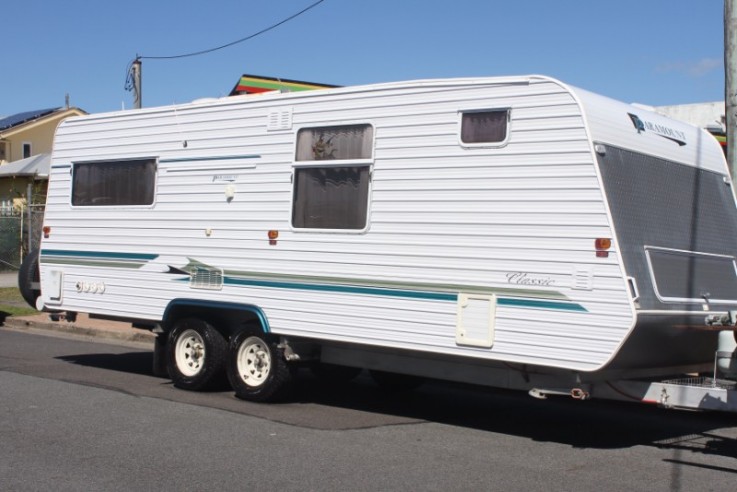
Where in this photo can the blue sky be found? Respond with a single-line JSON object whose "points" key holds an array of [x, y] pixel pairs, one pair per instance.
{"points": [[656, 52]]}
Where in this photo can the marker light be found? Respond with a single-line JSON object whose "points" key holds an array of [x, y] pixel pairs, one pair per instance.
{"points": [[47, 231], [602, 244]]}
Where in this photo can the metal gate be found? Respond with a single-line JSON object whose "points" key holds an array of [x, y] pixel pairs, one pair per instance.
{"points": [[20, 229]]}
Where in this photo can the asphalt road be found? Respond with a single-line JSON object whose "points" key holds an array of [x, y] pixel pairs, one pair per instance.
{"points": [[85, 415]]}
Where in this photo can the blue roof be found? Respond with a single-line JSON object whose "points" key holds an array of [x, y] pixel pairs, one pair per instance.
{"points": [[20, 118]]}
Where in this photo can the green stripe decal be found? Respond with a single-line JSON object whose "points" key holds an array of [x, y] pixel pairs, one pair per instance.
{"points": [[98, 255], [345, 289], [96, 258], [448, 293], [540, 304], [406, 294]]}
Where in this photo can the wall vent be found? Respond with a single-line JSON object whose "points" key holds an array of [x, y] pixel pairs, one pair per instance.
{"points": [[583, 278], [205, 278], [280, 119]]}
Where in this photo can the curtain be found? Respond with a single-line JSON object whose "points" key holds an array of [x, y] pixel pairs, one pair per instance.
{"points": [[114, 183], [484, 127], [337, 142], [331, 197]]}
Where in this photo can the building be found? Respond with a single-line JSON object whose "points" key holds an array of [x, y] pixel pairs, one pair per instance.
{"points": [[711, 116], [31, 133]]}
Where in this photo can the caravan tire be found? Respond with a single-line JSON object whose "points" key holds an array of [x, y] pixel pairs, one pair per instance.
{"points": [[257, 369], [196, 354], [27, 276]]}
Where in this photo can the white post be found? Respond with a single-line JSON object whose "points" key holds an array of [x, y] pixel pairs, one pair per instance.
{"points": [[29, 199], [730, 82], [137, 96]]}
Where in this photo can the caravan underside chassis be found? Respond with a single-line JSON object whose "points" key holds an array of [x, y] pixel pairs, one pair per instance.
{"points": [[260, 367], [692, 393], [695, 393]]}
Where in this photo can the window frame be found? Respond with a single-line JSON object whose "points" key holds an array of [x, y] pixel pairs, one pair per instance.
{"points": [[487, 145], [335, 163], [23, 147], [75, 165], [670, 299]]}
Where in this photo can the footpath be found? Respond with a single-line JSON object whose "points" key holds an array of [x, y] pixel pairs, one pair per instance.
{"points": [[83, 325]]}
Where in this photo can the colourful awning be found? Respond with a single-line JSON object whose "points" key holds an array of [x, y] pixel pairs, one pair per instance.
{"points": [[255, 84]]}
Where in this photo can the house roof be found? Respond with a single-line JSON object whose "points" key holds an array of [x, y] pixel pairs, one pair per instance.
{"points": [[35, 166], [20, 118]]}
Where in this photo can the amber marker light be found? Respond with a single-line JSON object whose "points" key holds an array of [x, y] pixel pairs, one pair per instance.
{"points": [[602, 245], [47, 231], [273, 236]]}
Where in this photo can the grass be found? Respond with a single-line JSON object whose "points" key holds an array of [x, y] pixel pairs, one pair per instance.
{"points": [[13, 304]]}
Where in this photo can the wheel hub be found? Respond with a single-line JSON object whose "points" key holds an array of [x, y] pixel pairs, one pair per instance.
{"points": [[190, 353], [254, 362]]}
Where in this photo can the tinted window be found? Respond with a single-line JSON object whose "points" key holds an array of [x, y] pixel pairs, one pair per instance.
{"points": [[114, 183], [484, 126], [331, 197]]}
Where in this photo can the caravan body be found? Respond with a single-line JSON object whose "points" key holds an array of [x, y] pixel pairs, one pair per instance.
{"points": [[481, 221]]}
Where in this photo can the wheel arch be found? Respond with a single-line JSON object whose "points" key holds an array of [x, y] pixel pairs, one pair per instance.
{"points": [[228, 317]]}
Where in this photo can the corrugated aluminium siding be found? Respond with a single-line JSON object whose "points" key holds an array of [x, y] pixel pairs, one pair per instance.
{"points": [[439, 215]]}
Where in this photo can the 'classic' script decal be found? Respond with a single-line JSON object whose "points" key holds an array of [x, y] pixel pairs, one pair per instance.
{"points": [[522, 278]]}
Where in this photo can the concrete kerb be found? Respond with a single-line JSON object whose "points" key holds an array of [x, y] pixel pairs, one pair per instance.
{"points": [[82, 326]]}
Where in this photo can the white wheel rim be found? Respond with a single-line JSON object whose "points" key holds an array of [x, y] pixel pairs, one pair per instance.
{"points": [[190, 353], [253, 361]]}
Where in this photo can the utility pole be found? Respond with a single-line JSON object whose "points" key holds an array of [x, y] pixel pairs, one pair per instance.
{"points": [[136, 75], [730, 83]]}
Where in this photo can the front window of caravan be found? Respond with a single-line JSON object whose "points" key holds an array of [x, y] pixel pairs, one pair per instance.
{"points": [[332, 195], [485, 127], [108, 183]]}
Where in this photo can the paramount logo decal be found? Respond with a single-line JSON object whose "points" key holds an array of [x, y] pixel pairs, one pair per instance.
{"points": [[660, 130]]}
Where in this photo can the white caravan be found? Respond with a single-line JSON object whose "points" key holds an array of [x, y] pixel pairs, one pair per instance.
{"points": [[513, 232]]}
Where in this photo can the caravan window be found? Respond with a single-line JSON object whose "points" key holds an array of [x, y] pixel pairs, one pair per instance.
{"points": [[108, 183], [331, 197], [335, 143], [484, 127]]}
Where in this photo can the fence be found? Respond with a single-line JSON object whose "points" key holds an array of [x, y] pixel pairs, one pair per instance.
{"points": [[15, 240]]}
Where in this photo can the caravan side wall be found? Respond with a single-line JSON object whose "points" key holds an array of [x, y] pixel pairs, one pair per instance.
{"points": [[495, 243]]}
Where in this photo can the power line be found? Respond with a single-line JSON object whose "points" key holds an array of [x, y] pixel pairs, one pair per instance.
{"points": [[203, 52], [133, 80]]}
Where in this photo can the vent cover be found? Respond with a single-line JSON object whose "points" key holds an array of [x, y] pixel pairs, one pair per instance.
{"points": [[583, 278], [280, 119], [205, 278]]}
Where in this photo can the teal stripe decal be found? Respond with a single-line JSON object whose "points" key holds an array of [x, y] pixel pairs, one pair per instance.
{"points": [[406, 294], [211, 158], [106, 255], [540, 304], [61, 166], [349, 289]]}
